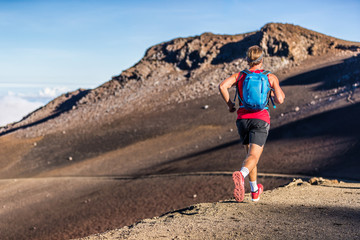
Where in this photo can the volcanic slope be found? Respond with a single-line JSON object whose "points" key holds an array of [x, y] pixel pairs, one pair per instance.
{"points": [[132, 144]]}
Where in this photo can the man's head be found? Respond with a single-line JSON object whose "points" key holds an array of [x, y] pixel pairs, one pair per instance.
{"points": [[254, 55]]}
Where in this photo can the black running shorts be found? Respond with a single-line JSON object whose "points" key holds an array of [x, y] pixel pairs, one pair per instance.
{"points": [[253, 131]]}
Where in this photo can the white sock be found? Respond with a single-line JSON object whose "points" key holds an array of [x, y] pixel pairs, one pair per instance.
{"points": [[253, 186], [244, 171]]}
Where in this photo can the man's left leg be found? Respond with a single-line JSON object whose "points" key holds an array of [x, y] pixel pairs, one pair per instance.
{"points": [[254, 152], [250, 162]]}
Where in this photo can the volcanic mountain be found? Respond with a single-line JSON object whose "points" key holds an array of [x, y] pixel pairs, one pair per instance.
{"points": [[158, 137]]}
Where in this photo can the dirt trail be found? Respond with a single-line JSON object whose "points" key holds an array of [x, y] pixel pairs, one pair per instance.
{"points": [[125, 177], [325, 210]]}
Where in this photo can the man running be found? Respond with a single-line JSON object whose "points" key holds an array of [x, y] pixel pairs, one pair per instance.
{"points": [[253, 126]]}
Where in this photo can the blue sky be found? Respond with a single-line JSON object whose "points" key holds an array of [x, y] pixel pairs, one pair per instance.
{"points": [[56, 46]]}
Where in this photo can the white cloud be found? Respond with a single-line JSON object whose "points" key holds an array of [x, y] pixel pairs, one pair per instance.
{"points": [[52, 92], [19, 101], [13, 108]]}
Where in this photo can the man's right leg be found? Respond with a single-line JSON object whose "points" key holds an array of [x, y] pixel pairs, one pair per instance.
{"points": [[256, 189]]}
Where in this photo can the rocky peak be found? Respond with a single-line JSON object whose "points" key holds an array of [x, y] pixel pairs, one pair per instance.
{"points": [[190, 54], [297, 43]]}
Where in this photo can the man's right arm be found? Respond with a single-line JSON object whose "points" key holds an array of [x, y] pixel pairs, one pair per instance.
{"points": [[224, 90], [279, 95]]}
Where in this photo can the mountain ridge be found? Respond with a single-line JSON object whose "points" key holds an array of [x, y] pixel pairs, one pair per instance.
{"points": [[183, 69]]}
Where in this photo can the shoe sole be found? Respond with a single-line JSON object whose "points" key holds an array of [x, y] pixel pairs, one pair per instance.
{"points": [[255, 200], [239, 191]]}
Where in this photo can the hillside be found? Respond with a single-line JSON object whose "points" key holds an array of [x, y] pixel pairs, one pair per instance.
{"points": [[99, 159]]}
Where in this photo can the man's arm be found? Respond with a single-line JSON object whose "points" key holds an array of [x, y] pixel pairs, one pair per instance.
{"points": [[224, 90], [279, 95]]}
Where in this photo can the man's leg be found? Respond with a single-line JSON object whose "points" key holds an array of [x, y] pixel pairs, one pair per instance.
{"points": [[253, 173], [254, 152], [256, 189]]}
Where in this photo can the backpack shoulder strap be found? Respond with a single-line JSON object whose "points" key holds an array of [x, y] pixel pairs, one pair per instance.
{"points": [[272, 100], [237, 87], [247, 71], [266, 73], [238, 78]]}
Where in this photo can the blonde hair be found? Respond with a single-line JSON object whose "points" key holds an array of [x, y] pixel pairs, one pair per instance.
{"points": [[254, 55]]}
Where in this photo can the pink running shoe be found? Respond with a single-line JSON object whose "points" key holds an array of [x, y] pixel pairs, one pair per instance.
{"points": [[255, 196], [239, 191]]}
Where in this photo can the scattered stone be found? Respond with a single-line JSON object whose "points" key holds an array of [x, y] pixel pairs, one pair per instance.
{"points": [[282, 114], [330, 99], [312, 102], [63, 132], [231, 130], [297, 109], [205, 107], [320, 180], [70, 158], [297, 182], [316, 181], [35, 144], [195, 196]]}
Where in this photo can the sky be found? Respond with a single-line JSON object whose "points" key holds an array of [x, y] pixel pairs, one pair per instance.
{"points": [[51, 47]]}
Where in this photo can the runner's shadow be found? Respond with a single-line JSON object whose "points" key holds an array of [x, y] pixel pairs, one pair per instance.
{"points": [[192, 210], [230, 201]]}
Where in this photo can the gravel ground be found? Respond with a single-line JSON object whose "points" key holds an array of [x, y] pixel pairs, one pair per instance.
{"points": [[327, 210]]}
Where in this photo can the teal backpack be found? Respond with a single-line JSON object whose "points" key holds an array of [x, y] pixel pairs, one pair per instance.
{"points": [[255, 90]]}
